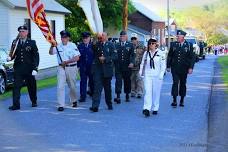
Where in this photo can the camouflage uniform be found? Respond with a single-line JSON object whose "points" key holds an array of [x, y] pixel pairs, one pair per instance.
{"points": [[136, 80]]}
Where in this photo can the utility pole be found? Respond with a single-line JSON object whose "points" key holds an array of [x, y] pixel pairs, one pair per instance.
{"points": [[168, 27], [125, 15]]}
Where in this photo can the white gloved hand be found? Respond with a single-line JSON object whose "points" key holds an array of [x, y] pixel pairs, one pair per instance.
{"points": [[161, 76], [34, 72], [140, 72], [8, 59]]}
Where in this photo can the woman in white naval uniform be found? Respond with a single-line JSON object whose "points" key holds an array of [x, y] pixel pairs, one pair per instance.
{"points": [[152, 69]]}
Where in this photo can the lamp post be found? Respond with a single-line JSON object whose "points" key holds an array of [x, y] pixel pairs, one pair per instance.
{"points": [[168, 27]]}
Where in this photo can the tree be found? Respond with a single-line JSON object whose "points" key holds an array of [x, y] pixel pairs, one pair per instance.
{"points": [[209, 19], [111, 13], [217, 39]]}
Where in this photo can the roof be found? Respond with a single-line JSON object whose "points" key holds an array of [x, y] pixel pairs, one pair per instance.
{"points": [[138, 30], [50, 5], [147, 12]]}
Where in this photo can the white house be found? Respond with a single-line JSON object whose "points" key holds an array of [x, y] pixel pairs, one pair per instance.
{"points": [[13, 13]]}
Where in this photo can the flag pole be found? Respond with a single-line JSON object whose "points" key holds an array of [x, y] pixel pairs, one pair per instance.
{"points": [[15, 47]]}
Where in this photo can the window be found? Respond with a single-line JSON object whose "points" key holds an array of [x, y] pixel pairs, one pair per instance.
{"points": [[53, 28], [27, 22]]}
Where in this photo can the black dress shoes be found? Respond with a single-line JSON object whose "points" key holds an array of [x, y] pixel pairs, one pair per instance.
{"points": [[93, 109], [117, 100], [181, 104], [74, 104], [139, 96], [60, 109], [12, 108], [146, 112], [155, 112], [174, 104], [34, 104]]}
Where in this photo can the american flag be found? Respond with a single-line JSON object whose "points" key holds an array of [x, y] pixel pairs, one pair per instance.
{"points": [[37, 14]]}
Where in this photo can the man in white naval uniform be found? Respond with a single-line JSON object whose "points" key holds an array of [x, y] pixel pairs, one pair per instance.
{"points": [[152, 69], [67, 55]]}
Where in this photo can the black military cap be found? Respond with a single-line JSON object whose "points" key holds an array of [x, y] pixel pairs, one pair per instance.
{"points": [[64, 33], [123, 33], [180, 32], [22, 28], [86, 34]]}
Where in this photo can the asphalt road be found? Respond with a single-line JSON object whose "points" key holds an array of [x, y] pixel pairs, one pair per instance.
{"points": [[124, 129]]}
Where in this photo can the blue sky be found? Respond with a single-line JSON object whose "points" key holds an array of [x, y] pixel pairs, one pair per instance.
{"points": [[157, 5]]}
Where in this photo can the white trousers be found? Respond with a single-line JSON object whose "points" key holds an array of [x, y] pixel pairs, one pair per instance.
{"points": [[152, 86], [66, 76]]}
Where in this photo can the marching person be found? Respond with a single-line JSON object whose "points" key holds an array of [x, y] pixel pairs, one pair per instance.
{"points": [[84, 64], [102, 70], [67, 55], [152, 69], [26, 61], [123, 66], [136, 80], [180, 62]]}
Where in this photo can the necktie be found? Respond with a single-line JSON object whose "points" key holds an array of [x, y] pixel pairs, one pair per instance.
{"points": [[152, 60]]}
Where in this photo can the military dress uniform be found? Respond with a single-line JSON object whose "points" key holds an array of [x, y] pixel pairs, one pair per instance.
{"points": [[152, 69], [126, 55], [102, 73], [136, 80], [85, 64], [26, 60], [66, 74], [181, 58]]}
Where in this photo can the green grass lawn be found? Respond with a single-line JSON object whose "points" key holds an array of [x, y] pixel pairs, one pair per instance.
{"points": [[40, 85], [223, 61]]}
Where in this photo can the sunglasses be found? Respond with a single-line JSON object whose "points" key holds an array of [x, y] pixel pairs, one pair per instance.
{"points": [[152, 43]]}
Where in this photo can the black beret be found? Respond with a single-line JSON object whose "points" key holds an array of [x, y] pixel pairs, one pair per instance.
{"points": [[86, 34], [123, 33], [180, 32], [64, 33], [22, 28]]}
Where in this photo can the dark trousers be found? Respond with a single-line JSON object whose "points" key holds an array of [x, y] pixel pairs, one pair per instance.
{"points": [[30, 82], [85, 75], [179, 84], [123, 76], [99, 83]]}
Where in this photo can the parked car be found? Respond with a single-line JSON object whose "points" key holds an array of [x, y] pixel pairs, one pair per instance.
{"points": [[6, 71], [193, 40]]}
